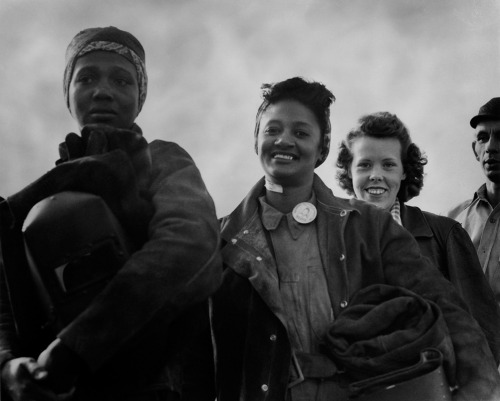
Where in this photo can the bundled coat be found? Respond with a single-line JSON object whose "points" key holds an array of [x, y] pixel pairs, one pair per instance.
{"points": [[359, 245]]}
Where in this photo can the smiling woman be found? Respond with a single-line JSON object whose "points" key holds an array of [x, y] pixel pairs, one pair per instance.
{"points": [[294, 258], [289, 143], [379, 163], [377, 170]]}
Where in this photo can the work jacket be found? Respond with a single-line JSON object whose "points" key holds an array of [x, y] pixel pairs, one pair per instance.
{"points": [[450, 248], [135, 334], [359, 245]]}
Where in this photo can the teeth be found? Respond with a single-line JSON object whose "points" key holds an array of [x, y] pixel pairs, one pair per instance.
{"points": [[375, 191], [280, 156]]}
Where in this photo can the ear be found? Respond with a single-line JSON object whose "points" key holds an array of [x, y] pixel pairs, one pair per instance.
{"points": [[474, 150]]}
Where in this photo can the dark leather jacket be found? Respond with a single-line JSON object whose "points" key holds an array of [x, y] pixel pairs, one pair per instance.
{"points": [[450, 248], [133, 336], [359, 245]]}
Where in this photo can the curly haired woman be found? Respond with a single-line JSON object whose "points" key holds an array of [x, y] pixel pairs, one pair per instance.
{"points": [[379, 163]]}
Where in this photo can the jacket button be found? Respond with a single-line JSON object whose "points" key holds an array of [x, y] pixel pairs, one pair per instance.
{"points": [[492, 220], [234, 241], [258, 258], [245, 232], [273, 337], [343, 304], [342, 257], [264, 387], [343, 213]]}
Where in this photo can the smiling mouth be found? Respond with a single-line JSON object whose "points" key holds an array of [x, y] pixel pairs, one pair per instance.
{"points": [[376, 191], [283, 156]]}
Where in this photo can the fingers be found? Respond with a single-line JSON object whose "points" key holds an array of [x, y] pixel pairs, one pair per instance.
{"points": [[25, 380], [74, 146], [97, 143], [35, 370]]}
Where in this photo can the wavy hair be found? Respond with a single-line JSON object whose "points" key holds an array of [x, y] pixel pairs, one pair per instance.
{"points": [[384, 125]]}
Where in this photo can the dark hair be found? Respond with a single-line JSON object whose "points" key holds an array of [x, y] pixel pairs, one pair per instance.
{"points": [[313, 95], [384, 125]]}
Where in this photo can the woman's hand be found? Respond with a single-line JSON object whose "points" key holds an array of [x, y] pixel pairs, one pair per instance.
{"points": [[97, 139], [25, 380]]}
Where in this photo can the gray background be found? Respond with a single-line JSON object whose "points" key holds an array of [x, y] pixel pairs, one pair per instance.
{"points": [[433, 63]]}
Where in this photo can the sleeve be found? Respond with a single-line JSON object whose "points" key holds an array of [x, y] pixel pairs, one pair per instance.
{"points": [[471, 283], [476, 374], [7, 328], [179, 266]]}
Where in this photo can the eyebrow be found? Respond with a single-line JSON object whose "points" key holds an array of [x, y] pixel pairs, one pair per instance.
{"points": [[298, 122], [94, 68]]}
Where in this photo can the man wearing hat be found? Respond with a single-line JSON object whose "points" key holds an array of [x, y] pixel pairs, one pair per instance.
{"points": [[480, 216]]}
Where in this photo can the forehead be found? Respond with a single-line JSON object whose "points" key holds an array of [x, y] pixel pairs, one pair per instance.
{"points": [[376, 148], [289, 111], [104, 60]]}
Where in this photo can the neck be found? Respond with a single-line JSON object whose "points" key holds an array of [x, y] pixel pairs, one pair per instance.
{"points": [[493, 193], [289, 198]]}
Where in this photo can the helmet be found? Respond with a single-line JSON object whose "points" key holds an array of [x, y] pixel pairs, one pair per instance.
{"points": [[74, 246]]}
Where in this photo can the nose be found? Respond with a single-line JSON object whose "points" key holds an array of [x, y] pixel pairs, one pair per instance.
{"points": [[284, 140], [493, 145], [376, 174], [103, 90]]}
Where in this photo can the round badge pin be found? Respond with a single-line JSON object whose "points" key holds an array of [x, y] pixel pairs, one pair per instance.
{"points": [[304, 212]]}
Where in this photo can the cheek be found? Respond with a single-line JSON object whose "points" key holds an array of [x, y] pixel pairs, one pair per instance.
{"points": [[262, 143], [357, 182], [396, 182]]}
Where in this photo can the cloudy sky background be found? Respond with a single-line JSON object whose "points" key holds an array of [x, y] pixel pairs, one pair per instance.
{"points": [[433, 63]]}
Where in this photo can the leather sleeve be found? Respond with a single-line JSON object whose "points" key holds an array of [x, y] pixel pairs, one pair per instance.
{"points": [[179, 266]]}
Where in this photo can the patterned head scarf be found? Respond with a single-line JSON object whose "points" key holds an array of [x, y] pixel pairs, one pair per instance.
{"points": [[109, 39], [313, 95]]}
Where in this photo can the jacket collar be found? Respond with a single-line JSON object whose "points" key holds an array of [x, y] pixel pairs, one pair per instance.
{"points": [[415, 222], [233, 223]]}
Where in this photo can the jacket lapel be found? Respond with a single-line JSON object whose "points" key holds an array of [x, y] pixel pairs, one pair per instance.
{"points": [[247, 252]]}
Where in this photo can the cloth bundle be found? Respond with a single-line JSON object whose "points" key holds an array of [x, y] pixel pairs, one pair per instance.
{"points": [[385, 330]]}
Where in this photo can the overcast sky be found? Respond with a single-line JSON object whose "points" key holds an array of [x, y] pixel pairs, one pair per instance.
{"points": [[433, 63]]}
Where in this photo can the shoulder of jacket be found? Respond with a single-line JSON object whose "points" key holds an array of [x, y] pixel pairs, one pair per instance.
{"points": [[441, 225], [159, 145]]}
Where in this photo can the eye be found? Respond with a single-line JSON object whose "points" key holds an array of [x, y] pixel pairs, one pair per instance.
{"points": [[389, 164], [123, 81], [85, 79], [363, 165], [302, 133], [271, 130], [481, 138]]}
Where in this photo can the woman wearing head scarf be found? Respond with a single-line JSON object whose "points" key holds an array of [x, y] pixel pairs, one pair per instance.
{"points": [[379, 163], [129, 342], [294, 255]]}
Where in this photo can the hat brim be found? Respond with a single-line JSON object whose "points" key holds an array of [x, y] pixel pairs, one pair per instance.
{"points": [[481, 117]]}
